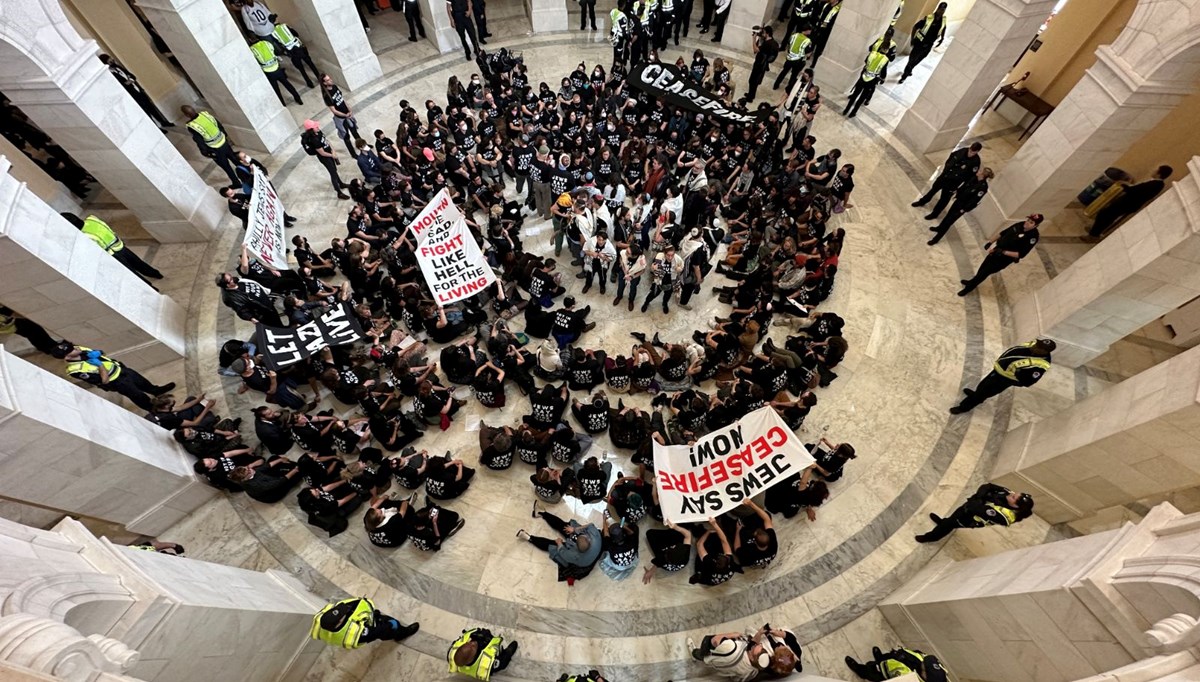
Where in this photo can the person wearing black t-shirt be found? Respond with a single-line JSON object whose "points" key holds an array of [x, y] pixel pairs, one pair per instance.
{"points": [[1006, 247], [584, 372], [265, 486], [270, 431], [193, 413], [620, 548], [343, 117], [496, 447], [314, 143], [569, 324], [831, 458], [671, 547], [546, 406], [797, 492], [521, 158], [755, 544], [766, 49], [714, 558], [592, 415], [387, 522], [592, 477], [460, 12], [447, 478]]}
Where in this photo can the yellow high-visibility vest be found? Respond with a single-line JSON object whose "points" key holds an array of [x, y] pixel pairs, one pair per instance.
{"points": [[919, 34], [798, 46], [876, 63], [1010, 516], [892, 668], [206, 126], [1010, 371], [481, 669], [285, 36], [265, 54], [111, 366], [347, 637], [99, 232]]}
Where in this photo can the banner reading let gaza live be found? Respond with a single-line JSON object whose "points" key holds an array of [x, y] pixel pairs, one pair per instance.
{"points": [[447, 252], [283, 346], [727, 466], [264, 231], [668, 83]]}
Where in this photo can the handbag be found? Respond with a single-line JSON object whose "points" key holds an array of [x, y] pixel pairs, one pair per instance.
{"points": [[445, 423]]}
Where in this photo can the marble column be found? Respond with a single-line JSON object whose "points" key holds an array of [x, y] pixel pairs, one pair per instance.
{"points": [[744, 15], [204, 38], [150, 616], [550, 15], [335, 39], [857, 26], [1143, 270], [1137, 439], [60, 279], [1105, 114], [1122, 600], [53, 76], [437, 26], [984, 48], [70, 449]]}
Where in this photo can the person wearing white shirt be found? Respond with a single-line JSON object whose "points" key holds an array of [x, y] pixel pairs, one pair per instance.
{"points": [[631, 263], [614, 195], [598, 255], [665, 277], [602, 217], [257, 18]]}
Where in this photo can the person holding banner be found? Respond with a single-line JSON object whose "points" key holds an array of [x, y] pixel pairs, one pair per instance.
{"points": [[249, 300], [714, 564]]}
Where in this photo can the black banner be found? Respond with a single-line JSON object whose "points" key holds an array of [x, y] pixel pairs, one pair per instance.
{"points": [[284, 346], [668, 83]]}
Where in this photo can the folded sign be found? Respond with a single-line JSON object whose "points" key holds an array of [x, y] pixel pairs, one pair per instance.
{"points": [[727, 466], [450, 259], [264, 231], [283, 346]]}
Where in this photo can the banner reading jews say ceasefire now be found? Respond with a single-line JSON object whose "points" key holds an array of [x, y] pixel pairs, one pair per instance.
{"points": [[264, 231], [450, 259], [727, 466]]}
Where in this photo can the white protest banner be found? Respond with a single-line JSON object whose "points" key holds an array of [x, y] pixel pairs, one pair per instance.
{"points": [[727, 466], [447, 252], [264, 231]]}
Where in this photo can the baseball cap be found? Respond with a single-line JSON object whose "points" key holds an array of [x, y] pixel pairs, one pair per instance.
{"points": [[428, 153], [311, 125]]}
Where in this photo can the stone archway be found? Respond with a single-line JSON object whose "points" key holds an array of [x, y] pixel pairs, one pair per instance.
{"points": [[51, 73]]}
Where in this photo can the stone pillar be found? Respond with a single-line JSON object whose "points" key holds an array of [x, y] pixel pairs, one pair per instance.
{"points": [[1122, 600], [984, 48], [437, 26], [1145, 269], [149, 615], [857, 26], [335, 39], [1137, 439], [551, 15], [743, 16], [66, 448], [204, 38], [1105, 114], [53, 76], [60, 279]]}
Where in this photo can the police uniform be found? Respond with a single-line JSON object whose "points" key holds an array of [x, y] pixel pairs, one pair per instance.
{"points": [[1013, 239], [264, 52], [989, 506], [802, 15], [103, 236], [925, 33], [351, 623], [1021, 365], [959, 166], [823, 27], [211, 139], [587, 8], [412, 14], [491, 657], [289, 41], [121, 379], [873, 73], [799, 46], [591, 676], [459, 13], [966, 198], [897, 663], [619, 34]]}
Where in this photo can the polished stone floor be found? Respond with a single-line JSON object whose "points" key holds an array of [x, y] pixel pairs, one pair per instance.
{"points": [[913, 345]]}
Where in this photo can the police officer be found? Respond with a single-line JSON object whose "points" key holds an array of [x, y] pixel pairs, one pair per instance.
{"points": [[874, 72], [1021, 365], [34, 333], [642, 37], [827, 14], [103, 236], [99, 370], [799, 45], [802, 15], [264, 52], [960, 165], [885, 44], [926, 32], [478, 653], [134, 88], [210, 138], [591, 676], [897, 663], [315, 144], [412, 14], [666, 22], [351, 623], [587, 8], [460, 12], [1006, 247], [966, 198], [991, 505], [766, 49], [620, 34], [289, 42]]}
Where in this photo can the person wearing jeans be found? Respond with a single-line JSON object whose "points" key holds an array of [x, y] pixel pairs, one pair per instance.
{"points": [[631, 263]]}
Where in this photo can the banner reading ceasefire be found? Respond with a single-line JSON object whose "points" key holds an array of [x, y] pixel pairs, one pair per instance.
{"points": [[666, 82], [727, 466], [450, 259], [264, 231]]}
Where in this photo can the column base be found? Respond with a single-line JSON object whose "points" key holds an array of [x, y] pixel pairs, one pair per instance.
{"points": [[546, 16], [923, 137]]}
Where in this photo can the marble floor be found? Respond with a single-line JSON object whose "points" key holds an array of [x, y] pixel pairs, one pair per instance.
{"points": [[913, 345]]}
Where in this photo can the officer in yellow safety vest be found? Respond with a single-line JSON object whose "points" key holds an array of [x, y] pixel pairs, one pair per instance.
{"points": [[620, 35], [478, 653], [34, 333], [351, 623], [885, 44], [926, 32], [103, 236], [641, 37], [897, 663], [873, 73], [823, 26], [799, 45], [264, 52], [107, 374], [1021, 365], [287, 40], [991, 505], [591, 676], [211, 140]]}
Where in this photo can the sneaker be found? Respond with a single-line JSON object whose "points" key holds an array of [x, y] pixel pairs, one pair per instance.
{"points": [[457, 527], [523, 535]]}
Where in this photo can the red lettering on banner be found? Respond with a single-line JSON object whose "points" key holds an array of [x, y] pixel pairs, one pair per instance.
{"points": [[760, 446], [777, 433], [705, 479], [719, 473]]}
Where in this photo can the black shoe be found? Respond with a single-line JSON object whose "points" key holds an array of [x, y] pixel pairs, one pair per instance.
{"points": [[645, 307], [931, 216], [924, 539], [408, 631], [412, 39], [638, 335], [581, 276], [714, 40], [577, 261], [457, 527], [586, 288], [510, 650], [343, 195], [917, 204], [468, 56], [931, 242], [964, 281], [964, 291], [959, 409], [969, 391], [656, 341], [933, 229], [164, 388], [876, 651]]}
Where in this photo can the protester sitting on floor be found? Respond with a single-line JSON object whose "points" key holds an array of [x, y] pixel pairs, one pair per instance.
{"points": [[447, 478], [577, 548]]}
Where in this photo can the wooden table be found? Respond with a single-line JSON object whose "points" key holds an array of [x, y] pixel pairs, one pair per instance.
{"points": [[1027, 101]]}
